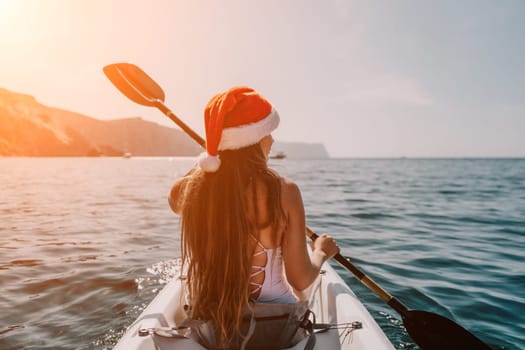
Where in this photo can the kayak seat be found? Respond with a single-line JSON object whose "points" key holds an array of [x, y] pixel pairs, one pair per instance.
{"points": [[264, 326]]}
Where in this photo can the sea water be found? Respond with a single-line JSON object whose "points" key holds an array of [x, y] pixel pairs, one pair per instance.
{"points": [[86, 243]]}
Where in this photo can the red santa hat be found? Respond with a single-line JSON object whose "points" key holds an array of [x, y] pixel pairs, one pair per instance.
{"points": [[237, 118]]}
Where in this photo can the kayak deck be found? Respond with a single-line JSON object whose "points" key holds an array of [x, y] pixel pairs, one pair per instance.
{"points": [[332, 302]]}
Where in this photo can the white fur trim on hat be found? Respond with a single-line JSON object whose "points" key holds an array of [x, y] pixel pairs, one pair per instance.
{"points": [[249, 134], [209, 164]]}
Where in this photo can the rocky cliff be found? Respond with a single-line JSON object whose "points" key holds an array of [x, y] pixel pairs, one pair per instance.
{"points": [[28, 128]]}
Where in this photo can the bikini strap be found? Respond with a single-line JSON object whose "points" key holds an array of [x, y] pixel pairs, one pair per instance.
{"points": [[259, 244]]}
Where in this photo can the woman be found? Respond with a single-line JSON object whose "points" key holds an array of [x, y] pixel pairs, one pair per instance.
{"points": [[242, 225]]}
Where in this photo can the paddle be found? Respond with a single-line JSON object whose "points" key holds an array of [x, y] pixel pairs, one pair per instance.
{"points": [[430, 331]]}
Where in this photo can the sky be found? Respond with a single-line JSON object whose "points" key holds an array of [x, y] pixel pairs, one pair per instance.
{"points": [[406, 78]]}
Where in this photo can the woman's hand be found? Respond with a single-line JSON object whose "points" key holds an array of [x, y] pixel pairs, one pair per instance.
{"points": [[327, 245]]}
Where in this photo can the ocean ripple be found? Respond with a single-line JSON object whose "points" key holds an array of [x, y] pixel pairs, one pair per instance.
{"points": [[87, 243]]}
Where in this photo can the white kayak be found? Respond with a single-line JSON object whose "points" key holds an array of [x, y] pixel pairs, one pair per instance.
{"points": [[332, 302]]}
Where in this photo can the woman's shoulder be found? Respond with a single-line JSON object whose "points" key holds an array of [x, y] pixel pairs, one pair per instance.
{"points": [[290, 192], [288, 184]]}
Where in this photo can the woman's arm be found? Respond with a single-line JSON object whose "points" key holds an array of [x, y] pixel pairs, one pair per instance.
{"points": [[301, 269]]}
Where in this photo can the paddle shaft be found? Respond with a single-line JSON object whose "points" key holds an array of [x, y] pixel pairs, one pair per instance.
{"points": [[367, 281], [164, 109]]}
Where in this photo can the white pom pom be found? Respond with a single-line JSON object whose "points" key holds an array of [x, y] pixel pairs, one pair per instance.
{"points": [[209, 164]]}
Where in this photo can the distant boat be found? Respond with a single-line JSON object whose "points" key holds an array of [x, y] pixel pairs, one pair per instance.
{"points": [[278, 155], [127, 155]]}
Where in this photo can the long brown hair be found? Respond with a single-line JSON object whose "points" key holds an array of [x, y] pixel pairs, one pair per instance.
{"points": [[215, 230]]}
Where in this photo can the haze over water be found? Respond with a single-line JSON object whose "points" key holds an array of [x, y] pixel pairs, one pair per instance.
{"points": [[85, 244]]}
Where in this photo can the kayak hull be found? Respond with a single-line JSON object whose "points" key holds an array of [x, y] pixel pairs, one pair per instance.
{"points": [[332, 302]]}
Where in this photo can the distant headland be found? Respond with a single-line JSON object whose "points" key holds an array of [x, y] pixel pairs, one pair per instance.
{"points": [[28, 128]]}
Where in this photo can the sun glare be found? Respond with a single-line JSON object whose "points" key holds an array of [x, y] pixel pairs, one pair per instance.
{"points": [[19, 23], [7, 7], [11, 12]]}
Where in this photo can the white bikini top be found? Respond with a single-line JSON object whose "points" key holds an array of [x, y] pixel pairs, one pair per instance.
{"points": [[275, 288]]}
